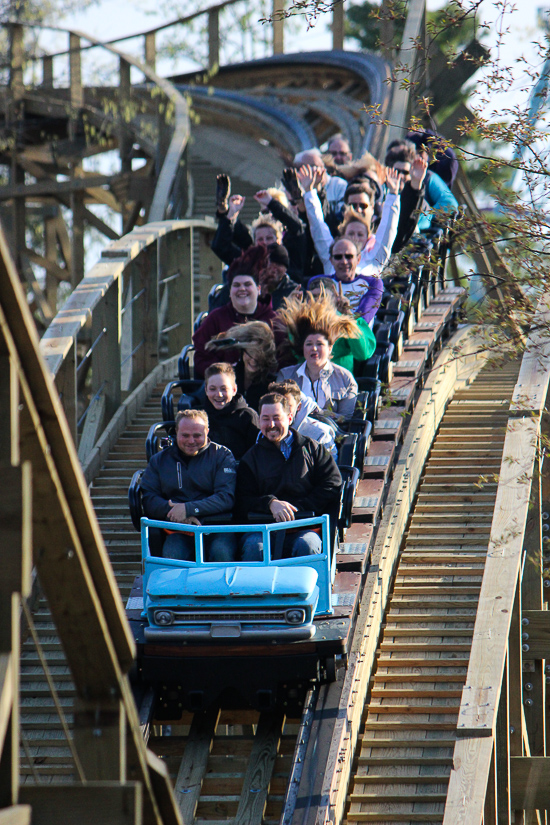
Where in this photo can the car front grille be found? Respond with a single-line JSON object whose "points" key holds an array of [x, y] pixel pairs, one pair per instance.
{"points": [[206, 617]]}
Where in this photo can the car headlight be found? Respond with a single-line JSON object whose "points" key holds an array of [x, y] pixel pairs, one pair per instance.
{"points": [[295, 616], [163, 617]]}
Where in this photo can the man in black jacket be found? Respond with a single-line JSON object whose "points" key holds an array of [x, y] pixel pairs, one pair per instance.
{"points": [[283, 474], [192, 479], [232, 422]]}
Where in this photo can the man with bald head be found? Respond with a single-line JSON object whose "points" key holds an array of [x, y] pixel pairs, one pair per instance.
{"points": [[333, 187]]}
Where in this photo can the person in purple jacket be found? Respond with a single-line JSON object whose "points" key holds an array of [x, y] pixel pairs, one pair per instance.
{"points": [[364, 292]]}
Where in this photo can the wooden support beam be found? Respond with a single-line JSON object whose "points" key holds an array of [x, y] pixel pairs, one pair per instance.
{"points": [[338, 25], [16, 815], [502, 755], [100, 739], [75, 75], [192, 769], [45, 436], [125, 138], [447, 80], [150, 49], [177, 292], [213, 38], [534, 682], [9, 407], [530, 782], [17, 88], [278, 26], [47, 71], [15, 581], [260, 767], [537, 627]]}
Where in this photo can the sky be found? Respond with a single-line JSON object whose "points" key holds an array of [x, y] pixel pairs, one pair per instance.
{"points": [[112, 18]]}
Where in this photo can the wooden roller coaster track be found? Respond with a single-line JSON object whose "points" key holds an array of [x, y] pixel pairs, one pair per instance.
{"points": [[440, 714]]}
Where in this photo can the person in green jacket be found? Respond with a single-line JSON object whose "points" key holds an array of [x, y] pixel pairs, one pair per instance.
{"points": [[346, 350]]}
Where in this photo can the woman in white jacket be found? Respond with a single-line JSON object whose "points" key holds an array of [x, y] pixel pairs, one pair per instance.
{"points": [[374, 255]]}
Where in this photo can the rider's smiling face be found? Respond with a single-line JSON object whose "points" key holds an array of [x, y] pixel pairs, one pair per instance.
{"points": [[274, 422]]}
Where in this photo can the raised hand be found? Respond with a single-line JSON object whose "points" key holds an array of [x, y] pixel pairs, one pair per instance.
{"points": [[236, 203], [263, 197], [394, 181], [223, 190], [306, 177], [418, 171]]}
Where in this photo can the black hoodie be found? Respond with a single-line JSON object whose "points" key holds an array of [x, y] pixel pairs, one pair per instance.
{"points": [[235, 426]]}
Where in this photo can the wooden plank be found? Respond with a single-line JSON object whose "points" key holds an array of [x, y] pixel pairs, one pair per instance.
{"points": [[482, 690], [468, 782], [16, 815], [260, 767], [7, 686], [422, 429], [110, 803], [193, 765], [537, 629], [530, 782], [533, 379]]}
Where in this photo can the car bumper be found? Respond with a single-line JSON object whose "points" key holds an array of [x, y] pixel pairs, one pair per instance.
{"points": [[229, 632]]}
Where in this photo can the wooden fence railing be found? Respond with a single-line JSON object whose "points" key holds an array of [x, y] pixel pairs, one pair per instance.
{"points": [[500, 762], [134, 308], [212, 17], [48, 521]]}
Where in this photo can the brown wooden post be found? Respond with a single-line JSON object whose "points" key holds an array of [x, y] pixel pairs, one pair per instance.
{"points": [[213, 38], [105, 368], [387, 30], [50, 252], [502, 755], [176, 287], [100, 739], [76, 201], [75, 74], [145, 328], [65, 381], [16, 62], [124, 114], [338, 25], [47, 72], [278, 27], [16, 543], [534, 681], [15, 104], [150, 49]]}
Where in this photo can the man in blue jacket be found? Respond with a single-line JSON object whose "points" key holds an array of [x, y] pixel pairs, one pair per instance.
{"points": [[191, 480]]}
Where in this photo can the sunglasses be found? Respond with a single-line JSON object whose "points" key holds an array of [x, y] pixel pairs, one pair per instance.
{"points": [[340, 255]]}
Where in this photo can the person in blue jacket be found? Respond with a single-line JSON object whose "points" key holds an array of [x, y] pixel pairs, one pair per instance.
{"points": [[425, 197]]}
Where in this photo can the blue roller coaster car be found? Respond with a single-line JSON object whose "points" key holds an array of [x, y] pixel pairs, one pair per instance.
{"points": [[274, 600]]}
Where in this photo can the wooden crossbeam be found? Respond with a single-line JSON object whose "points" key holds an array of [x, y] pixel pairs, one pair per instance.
{"points": [[530, 776], [538, 631]]}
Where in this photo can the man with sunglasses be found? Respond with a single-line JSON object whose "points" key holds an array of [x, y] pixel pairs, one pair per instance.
{"points": [[364, 292]]}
